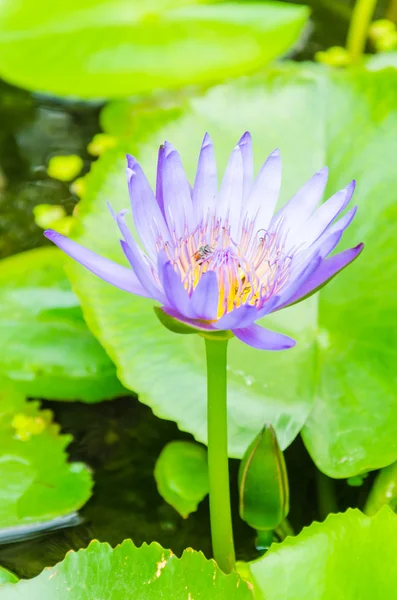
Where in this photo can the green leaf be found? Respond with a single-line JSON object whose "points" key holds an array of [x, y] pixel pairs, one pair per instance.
{"points": [[345, 356], [37, 482], [181, 475], [49, 350], [263, 482], [147, 573], [7, 577], [104, 48], [383, 60], [349, 556]]}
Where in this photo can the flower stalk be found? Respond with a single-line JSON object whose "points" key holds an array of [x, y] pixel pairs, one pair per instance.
{"points": [[358, 28], [218, 464]]}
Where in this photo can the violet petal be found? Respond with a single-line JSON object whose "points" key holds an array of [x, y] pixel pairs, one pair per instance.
{"points": [[148, 218], [205, 189], [177, 296], [106, 269], [178, 207], [263, 197], [245, 145], [264, 339], [324, 215], [159, 178], [239, 317], [206, 296], [327, 270], [142, 270], [231, 192], [303, 203]]}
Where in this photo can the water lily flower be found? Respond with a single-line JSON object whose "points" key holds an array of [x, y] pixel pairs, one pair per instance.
{"points": [[219, 259]]}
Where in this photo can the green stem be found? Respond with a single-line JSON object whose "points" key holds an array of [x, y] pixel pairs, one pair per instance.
{"points": [[326, 498], [384, 490], [358, 28], [284, 529], [218, 464], [391, 12]]}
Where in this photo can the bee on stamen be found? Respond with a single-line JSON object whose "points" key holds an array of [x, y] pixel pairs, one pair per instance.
{"points": [[202, 253]]}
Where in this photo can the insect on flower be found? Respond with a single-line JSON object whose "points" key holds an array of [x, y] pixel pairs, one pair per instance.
{"points": [[220, 259], [202, 253]]}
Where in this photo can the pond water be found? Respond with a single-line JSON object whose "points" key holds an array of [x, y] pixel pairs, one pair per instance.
{"points": [[120, 439]]}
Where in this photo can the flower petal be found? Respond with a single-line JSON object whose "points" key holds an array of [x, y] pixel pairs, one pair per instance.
{"points": [[231, 192], [159, 178], [327, 270], [264, 339], [245, 145], [137, 259], [320, 249], [205, 189], [344, 222], [263, 197], [148, 218], [239, 317], [205, 297], [142, 270], [106, 269], [324, 245], [178, 207], [330, 238], [301, 206], [176, 295], [282, 298], [324, 215]]}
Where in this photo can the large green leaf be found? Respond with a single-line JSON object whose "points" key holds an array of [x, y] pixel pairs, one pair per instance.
{"points": [[37, 483], [113, 48], [47, 350], [349, 556], [345, 357], [145, 573]]}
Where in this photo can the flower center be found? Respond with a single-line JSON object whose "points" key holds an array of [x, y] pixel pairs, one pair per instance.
{"points": [[249, 272]]}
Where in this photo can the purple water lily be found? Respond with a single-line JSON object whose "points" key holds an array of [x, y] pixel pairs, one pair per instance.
{"points": [[220, 259]]}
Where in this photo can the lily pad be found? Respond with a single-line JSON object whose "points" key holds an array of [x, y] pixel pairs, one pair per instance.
{"points": [[48, 350], [181, 474], [38, 484], [344, 361], [349, 556], [147, 573], [7, 577], [383, 60], [110, 48]]}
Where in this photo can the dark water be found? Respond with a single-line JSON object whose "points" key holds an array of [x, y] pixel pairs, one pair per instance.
{"points": [[121, 439]]}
